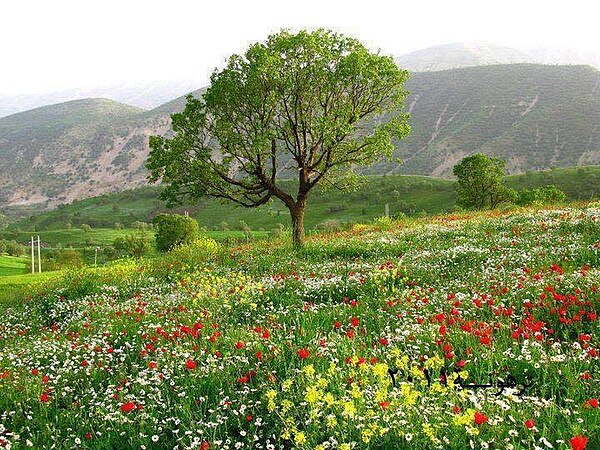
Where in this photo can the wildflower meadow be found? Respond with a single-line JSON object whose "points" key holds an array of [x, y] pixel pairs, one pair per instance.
{"points": [[464, 331]]}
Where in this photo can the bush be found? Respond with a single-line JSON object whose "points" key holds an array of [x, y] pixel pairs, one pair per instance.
{"points": [[62, 259], [330, 225], [135, 244], [173, 230], [224, 226], [13, 248], [85, 227], [539, 196], [383, 222], [278, 231], [243, 226], [119, 226]]}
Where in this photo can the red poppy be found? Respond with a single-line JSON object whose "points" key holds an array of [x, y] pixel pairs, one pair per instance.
{"points": [[303, 353], [44, 398], [591, 403], [190, 364], [205, 445], [384, 405], [384, 341], [579, 442], [127, 407], [480, 418], [354, 322], [239, 345], [530, 423]]}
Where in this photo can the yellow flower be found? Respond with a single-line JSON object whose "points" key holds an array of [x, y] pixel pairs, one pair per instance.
{"points": [[329, 399], [271, 394], [300, 438], [345, 447], [331, 421], [309, 370], [349, 409], [381, 370], [312, 395]]}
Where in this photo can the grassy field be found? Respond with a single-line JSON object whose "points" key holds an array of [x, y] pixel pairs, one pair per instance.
{"points": [[13, 265], [411, 195], [16, 284], [79, 238], [470, 330]]}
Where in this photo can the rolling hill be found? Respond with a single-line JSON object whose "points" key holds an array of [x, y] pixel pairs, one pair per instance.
{"points": [[534, 116], [407, 194], [146, 95]]}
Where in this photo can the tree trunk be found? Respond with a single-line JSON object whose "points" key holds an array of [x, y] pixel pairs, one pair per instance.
{"points": [[297, 213]]}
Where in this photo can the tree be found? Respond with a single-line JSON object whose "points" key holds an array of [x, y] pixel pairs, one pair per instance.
{"points": [[134, 244], [480, 182], [311, 105], [173, 230]]}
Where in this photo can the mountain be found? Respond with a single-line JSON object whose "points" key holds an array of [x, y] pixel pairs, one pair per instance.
{"points": [[143, 95], [58, 153], [534, 116], [456, 55]]}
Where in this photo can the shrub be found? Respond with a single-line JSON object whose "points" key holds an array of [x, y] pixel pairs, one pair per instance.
{"points": [[119, 226], [383, 222], [243, 226], [62, 259], [330, 225], [224, 226], [278, 231], [135, 244], [13, 248], [539, 196], [86, 227], [174, 229]]}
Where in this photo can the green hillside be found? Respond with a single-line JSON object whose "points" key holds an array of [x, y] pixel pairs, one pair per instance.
{"points": [[410, 195], [534, 116]]}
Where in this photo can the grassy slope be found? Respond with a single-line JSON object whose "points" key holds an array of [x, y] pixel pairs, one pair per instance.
{"points": [[406, 282], [408, 194], [12, 265]]}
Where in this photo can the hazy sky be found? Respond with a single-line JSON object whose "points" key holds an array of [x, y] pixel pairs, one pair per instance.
{"points": [[56, 44]]}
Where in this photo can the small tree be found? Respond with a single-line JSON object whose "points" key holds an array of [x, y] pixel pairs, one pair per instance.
{"points": [[480, 182], [174, 229], [134, 244], [311, 105]]}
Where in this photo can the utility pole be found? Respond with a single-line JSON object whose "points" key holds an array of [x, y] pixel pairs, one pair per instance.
{"points": [[39, 256], [32, 256]]}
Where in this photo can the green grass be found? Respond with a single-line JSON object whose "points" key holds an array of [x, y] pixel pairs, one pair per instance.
{"points": [[79, 238], [15, 287], [13, 265], [263, 344], [411, 195]]}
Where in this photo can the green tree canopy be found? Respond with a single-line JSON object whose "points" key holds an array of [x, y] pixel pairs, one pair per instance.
{"points": [[311, 105], [174, 229], [480, 182]]}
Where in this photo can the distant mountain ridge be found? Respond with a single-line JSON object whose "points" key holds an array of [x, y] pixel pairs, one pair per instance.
{"points": [[142, 95], [534, 116], [459, 54]]}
